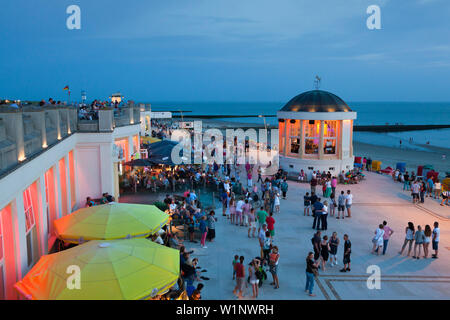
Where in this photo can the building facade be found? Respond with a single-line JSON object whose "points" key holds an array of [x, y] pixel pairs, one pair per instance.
{"points": [[50, 162]]}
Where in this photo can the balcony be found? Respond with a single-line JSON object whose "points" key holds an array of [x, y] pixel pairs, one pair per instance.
{"points": [[28, 131]]}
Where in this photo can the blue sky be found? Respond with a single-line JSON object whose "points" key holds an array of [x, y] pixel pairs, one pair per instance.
{"points": [[233, 50]]}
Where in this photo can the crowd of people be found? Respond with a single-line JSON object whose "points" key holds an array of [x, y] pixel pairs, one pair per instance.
{"points": [[422, 187]]}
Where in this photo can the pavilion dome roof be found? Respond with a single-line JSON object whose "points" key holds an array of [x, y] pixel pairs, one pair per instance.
{"points": [[316, 101]]}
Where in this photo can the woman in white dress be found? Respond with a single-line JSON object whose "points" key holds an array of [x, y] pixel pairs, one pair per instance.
{"points": [[277, 203], [378, 239]]}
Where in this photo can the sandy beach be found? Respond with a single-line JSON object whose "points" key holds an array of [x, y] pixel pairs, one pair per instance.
{"points": [[390, 156]]}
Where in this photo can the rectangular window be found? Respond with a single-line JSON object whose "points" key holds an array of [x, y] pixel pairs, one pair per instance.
{"points": [[294, 136], [330, 137], [28, 207], [312, 132], [30, 225]]}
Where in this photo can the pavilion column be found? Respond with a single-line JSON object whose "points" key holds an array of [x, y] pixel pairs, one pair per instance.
{"points": [[321, 140], [351, 138], [302, 140], [286, 121], [340, 155]]}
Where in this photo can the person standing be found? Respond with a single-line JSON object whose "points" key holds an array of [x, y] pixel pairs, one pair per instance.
{"points": [[341, 205], [274, 257], [211, 226], [334, 244], [406, 182], [430, 187], [409, 238], [436, 234], [254, 281], [262, 238], [426, 242], [333, 185], [239, 207], [347, 252], [277, 202], [261, 215], [423, 189], [203, 231], [348, 203], [328, 188], [419, 239], [284, 188], [437, 189], [246, 211], [240, 278], [324, 215], [313, 184], [311, 272], [317, 212], [415, 190], [333, 204], [324, 251], [306, 204], [270, 224], [252, 222], [316, 239], [378, 239], [388, 232]]}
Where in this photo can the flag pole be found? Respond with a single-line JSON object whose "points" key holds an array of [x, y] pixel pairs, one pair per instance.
{"points": [[68, 91]]}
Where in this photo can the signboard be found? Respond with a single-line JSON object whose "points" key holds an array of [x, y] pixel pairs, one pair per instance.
{"points": [[186, 124], [160, 114]]}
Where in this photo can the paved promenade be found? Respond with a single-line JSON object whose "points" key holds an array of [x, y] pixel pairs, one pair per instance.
{"points": [[376, 199]]}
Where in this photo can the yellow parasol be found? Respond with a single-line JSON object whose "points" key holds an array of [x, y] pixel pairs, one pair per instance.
{"points": [[111, 221], [114, 270]]}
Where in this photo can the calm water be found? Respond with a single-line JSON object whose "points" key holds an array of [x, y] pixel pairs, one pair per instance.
{"points": [[368, 112]]}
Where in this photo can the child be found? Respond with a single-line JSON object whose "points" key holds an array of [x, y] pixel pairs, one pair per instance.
{"points": [[211, 226], [333, 204], [307, 203], [236, 260]]}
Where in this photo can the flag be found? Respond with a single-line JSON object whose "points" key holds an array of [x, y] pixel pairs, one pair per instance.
{"points": [[66, 88]]}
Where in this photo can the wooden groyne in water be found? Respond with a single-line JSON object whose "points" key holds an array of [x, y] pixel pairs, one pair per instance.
{"points": [[400, 127], [368, 128]]}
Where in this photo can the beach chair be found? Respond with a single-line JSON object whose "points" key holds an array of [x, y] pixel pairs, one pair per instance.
{"points": [[388, 170]]}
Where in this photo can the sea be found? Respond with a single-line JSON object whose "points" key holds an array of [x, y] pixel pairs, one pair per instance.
{"points": [[368, 113]]}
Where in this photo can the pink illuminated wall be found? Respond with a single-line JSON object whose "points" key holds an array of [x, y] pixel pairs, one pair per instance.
{"points": [[72, 179], [62, 177], [7, 258]]}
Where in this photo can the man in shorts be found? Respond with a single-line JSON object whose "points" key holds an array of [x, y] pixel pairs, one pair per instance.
{"points": [[348, 203], [347, 253], [435, 241], [341, 205], [240, 278], [262, 216], [415, 190], [239, 208]]}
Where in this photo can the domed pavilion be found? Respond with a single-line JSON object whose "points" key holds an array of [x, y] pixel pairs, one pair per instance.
{"points": [[315, 133]]}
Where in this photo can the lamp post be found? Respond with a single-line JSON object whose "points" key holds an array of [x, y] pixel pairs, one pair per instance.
{"points": [[264, 118]]}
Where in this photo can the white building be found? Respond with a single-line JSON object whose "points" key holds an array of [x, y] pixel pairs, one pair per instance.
{"points": [[50, 161], [315, 133]]}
